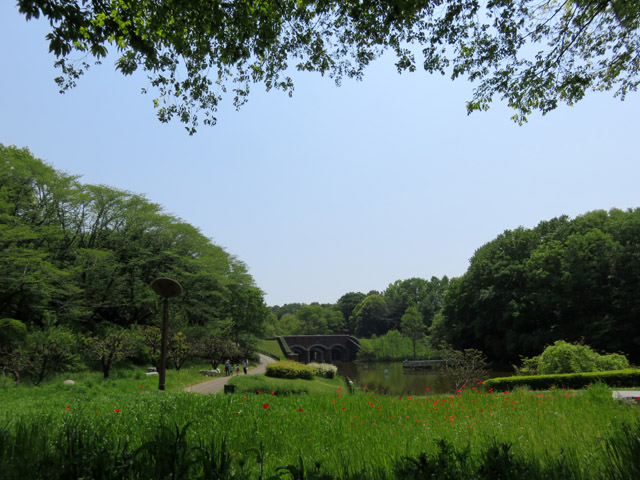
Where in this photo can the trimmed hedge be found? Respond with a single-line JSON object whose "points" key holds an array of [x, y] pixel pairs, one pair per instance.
{"points": [[615, 378], [290, 369]]}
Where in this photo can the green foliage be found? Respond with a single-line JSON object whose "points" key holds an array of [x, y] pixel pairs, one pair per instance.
{"points": [[534, 55], [392, 346], [413, 326], [113, 345], [290, 369], [466, 368], [564, 279], [12, 332], [347, 304], [371, 316], [85, 255], [49, 350], [564, 357], [251, 384], [618, 378]]}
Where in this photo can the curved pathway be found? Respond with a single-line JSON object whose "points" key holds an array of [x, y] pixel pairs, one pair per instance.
{"points": [[217, 384]]}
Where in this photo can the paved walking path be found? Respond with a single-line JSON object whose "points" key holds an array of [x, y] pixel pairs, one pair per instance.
{"points": [[626, 394], [217, 384]]}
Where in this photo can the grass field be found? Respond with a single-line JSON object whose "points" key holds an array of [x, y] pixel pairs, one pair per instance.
{"points": [[280, 386], [272, 347], [124, 428]]}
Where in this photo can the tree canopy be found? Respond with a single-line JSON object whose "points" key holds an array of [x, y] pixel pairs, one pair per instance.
{"points": [[574, 280], [85, 255], [531, 53]]}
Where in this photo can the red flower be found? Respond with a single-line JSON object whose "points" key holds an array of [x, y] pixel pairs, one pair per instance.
{"points": [[265, 406], [117, 410], [258, 391], [67, 408], [427, 389], [299, 409]]}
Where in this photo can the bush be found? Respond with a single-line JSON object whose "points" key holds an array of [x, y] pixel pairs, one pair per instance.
{"points": [[325, 370], [564, 357], [617, 378], [290, 369]]}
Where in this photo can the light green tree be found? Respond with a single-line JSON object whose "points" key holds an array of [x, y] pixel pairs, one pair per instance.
{"points": [[413, 326]]}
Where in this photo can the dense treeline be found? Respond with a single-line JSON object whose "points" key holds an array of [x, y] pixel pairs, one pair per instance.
{"points": [[82, 257], [576, 280], [408, 306]]}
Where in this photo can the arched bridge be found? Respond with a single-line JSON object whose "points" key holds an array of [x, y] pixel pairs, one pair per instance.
{"points": [[319, 348]]}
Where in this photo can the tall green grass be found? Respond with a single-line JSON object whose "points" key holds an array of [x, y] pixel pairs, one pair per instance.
{"points": [[133, 432]]}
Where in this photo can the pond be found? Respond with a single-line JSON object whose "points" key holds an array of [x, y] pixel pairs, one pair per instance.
{"points": [[391, 378]]}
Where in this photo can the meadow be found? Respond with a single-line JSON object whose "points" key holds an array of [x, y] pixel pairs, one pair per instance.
{"points": [[124, 428]]}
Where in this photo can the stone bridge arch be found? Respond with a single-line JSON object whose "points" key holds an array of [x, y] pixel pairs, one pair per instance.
{"points": [[319, 348]]}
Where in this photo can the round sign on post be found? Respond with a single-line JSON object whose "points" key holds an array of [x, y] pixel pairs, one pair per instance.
{"points": [[167, 288]]}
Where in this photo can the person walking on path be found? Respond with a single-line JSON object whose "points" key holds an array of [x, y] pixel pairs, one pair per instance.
{"points": [[217, 384], [227, 368], [245, 366]]}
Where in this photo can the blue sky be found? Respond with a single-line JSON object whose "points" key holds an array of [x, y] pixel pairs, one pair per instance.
{"points": [[336, 189]]}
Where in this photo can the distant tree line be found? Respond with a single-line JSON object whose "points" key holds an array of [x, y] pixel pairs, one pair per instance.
{"points": [[408, 306], [77, 261], [576, 280]]}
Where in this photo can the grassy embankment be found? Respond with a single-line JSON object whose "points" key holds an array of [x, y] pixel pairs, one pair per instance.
{"points": [[124, 428]]}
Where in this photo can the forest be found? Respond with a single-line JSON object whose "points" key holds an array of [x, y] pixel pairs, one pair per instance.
{"points": [[565, 279], [77, 262]]}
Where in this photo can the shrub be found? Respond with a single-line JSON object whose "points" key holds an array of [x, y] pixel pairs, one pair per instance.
{"points": [[617, 378], [325, 370], [290, 369], [564, 357]]}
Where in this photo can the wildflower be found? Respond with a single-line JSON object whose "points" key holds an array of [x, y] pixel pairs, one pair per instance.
{"points": [[258, 391], [97, 412], [426, 389], [67, 408], [265, 406], [244, 399], [300, 410], [117, 410]]}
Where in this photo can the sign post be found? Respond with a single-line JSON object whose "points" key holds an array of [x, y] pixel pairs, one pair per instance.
{"points": [[167, 288]]}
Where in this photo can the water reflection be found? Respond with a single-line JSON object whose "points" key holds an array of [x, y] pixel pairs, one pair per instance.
{"points": [[391, 378]]}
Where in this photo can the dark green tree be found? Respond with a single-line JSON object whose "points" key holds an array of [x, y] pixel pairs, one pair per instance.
{"points": [[113, 345], [563, 280], [370, 316], [347, 304]]}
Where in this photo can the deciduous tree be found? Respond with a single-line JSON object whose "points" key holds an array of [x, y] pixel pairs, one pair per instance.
{"points": [[533, 54]]}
